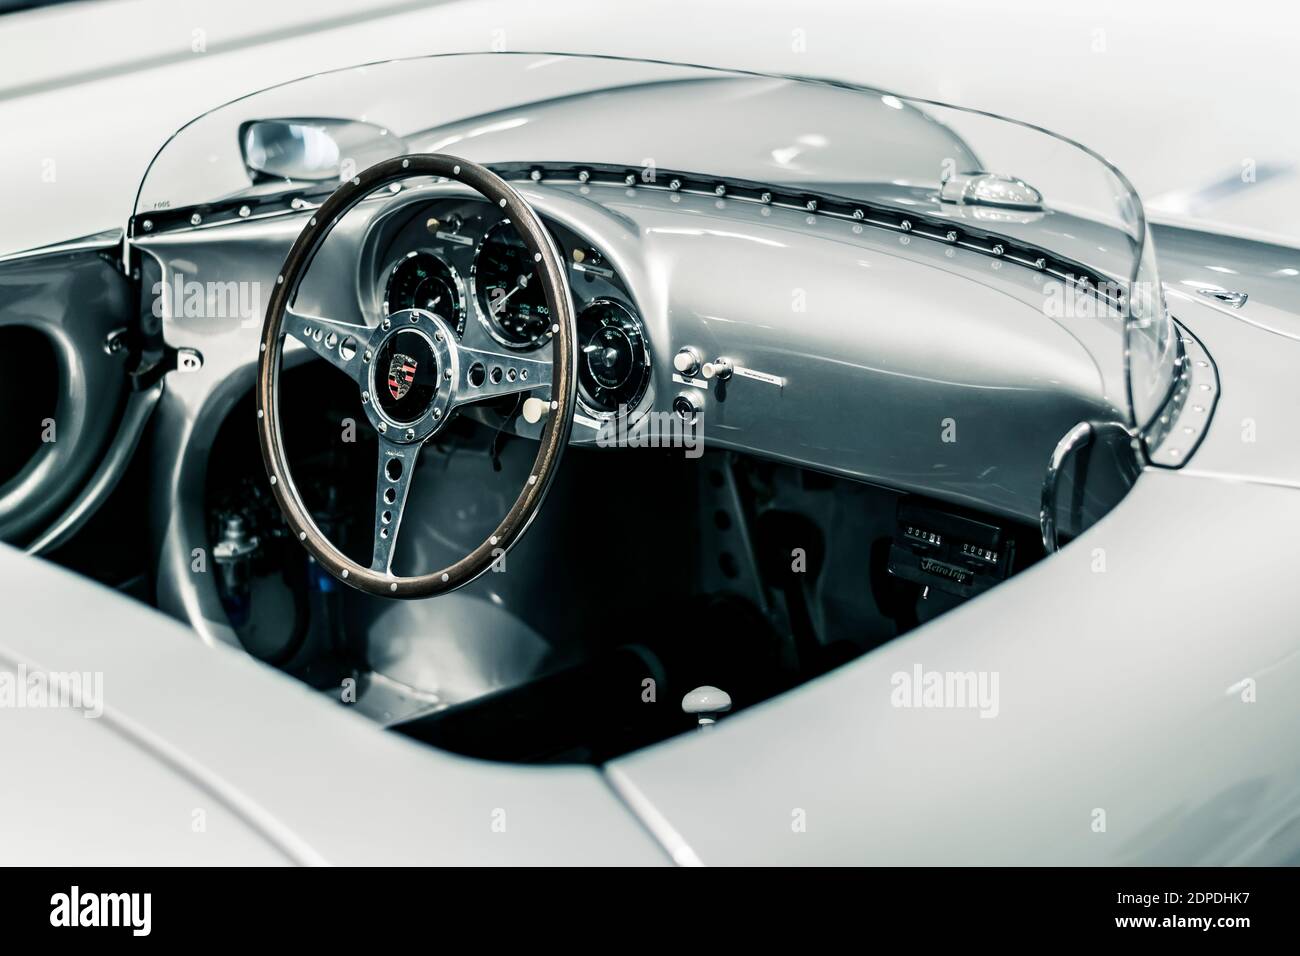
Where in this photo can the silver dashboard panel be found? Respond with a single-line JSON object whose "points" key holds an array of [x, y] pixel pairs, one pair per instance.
{"points": [[881, 357]]}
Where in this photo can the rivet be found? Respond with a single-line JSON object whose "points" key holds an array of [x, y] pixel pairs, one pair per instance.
{"points": [[406, 163], [147, 225], [583, 175], [492, 540], [720, 190], [345, 572], [629, 180], [244, 212], [195, 219], [998, 250], [302, 535], [537, 257], [502, 203], [393, 586], [906, 225], [445, 578], [674, 185], [456, 169], [951, 235], [259, 413], [532, 479], [273, 479], [383, 426], [535, 175], [437, 413], [410, 433]]}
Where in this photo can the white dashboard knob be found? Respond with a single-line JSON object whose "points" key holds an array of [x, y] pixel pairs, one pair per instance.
{"points": [[533, 410], [687, 361], [720, 369]]}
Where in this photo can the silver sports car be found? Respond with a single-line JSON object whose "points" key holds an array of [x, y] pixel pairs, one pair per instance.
{"points": [[533, 458]]}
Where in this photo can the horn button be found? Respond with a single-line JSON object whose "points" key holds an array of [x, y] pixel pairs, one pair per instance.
{"points": [[406, 376]]}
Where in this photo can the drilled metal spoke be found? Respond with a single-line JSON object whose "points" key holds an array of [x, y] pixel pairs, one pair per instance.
{"points": [[342, 345], [485, 375], [393, 484]]}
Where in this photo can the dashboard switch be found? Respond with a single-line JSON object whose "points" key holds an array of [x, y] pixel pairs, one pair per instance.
{"points": [[687, 361], [688, 406], [721, 369]]}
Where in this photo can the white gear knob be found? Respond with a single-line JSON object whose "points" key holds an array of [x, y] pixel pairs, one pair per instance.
{"points": [[706, 703]]}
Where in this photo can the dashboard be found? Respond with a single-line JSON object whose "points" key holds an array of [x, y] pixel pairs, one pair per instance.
{"points": [[462, 260]]}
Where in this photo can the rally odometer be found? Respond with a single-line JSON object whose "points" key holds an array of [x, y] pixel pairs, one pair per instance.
{"points": [[509, 291]]}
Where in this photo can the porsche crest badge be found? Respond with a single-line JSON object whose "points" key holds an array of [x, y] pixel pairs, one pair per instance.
{"points": [[401, 374]]}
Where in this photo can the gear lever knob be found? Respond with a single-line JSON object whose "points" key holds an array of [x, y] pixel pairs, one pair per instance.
{"points": [[707, 703]]}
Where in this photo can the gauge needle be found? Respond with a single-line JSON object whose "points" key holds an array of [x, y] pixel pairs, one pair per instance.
{"points": [[500, 303]]}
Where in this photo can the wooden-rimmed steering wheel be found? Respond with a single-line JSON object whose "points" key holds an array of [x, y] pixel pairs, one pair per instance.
{"points": [[414, 375]]}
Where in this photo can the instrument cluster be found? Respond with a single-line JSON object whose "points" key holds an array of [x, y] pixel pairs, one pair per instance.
{"points": [[463, 261]]}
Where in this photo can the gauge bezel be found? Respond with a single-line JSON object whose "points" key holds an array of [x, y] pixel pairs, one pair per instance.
{"points": [[485, 319], [462, 312], [630, 314]]}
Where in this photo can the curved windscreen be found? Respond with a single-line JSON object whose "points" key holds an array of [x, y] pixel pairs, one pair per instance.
{"points": [[1014, 192]]}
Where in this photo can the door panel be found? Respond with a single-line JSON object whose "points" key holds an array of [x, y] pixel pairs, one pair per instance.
{"points": [[61, 389]]}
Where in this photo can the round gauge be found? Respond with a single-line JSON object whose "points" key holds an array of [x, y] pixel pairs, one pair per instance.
{"points": [[421, 280], [613, 362], [509, 290]]}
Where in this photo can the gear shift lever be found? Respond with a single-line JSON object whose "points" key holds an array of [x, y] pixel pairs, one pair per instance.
{"points": [[707, 703]]}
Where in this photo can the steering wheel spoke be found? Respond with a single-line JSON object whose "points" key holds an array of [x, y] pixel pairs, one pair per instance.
{"points": [[485, 375], [392, 485], [342, 345]]}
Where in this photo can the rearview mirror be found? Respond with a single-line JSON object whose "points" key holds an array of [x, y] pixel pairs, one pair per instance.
{"points": [[313, 149]]}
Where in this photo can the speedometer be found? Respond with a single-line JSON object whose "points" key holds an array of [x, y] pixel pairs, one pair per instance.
{"points": [[421, 280], [509, 290]]}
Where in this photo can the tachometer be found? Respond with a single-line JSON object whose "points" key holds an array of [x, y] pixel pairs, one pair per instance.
{"points": [[509, 291], [613, 362], [421, 280]]}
